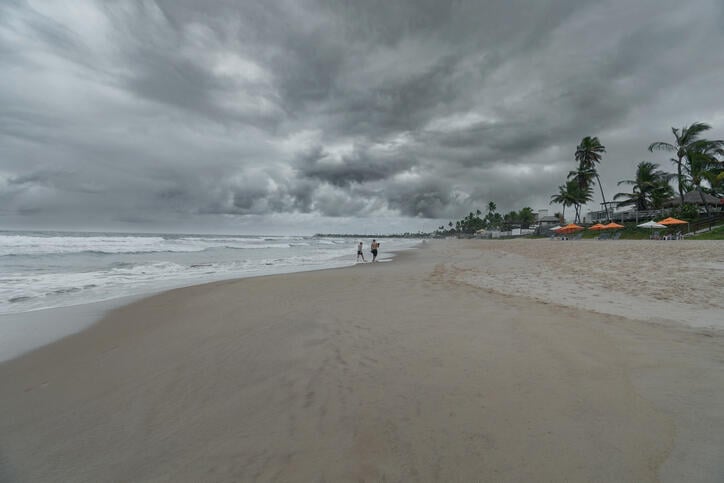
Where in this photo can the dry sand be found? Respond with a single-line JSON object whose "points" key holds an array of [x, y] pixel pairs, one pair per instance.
{"points": [[401, 371], [679, 282]]}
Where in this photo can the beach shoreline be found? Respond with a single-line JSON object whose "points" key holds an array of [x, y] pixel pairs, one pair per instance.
{"points": [[23, 332], [402, 370]]}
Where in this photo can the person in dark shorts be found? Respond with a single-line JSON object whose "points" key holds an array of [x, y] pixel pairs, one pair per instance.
{"points": [[359, 252], [374, 247]]}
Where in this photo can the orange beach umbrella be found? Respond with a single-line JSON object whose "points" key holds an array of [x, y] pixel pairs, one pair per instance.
{"points": [[612, 226], [672, 221], [597, 226], [569, 228]]}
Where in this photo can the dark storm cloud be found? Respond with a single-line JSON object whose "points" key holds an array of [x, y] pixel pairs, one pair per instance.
{"points": [[359, 166], [426, 198], [153, 110]]}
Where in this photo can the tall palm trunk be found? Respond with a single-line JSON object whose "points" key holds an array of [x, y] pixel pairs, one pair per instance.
{"points": [[680, 179], [701, 195], [605, 206]]}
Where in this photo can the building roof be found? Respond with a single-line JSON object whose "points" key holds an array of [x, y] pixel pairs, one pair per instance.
{"points": [[549, 219], [694, 198]]}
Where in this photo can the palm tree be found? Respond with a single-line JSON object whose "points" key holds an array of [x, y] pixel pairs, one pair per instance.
{"points": [[650, 187], [581, 195], [562, 198], [588, 154], [490, 217], [663, 191], [703, 165], [526, 217], [583, 179], [717, 181], [496, 220], [686, 141], [572, 194]]}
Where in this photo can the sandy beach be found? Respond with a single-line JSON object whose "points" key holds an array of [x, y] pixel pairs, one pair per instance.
{"points": [[528, 360]]}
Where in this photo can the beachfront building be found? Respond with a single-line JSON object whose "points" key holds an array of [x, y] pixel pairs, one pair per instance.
{"points": [[621, 216], [696, 198], [545, 223], [606, 213]]}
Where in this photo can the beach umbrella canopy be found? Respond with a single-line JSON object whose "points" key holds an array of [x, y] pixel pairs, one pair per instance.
{"points": [[651, 224], [554, 228], [672, 221], [612, 226], [569, 228], [597, 226]]}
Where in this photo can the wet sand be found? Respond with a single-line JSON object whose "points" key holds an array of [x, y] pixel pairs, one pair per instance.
{"points": [[412, 370]]}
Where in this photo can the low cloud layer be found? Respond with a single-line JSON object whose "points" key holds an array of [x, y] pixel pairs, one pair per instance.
{"points": [[314, 115]]}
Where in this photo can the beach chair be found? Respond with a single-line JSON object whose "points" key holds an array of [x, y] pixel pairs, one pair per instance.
{"points": [[616, 236], [604, 236], [577, 237]]}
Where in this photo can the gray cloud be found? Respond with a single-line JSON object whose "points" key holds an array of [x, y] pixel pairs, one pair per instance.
{"points": [[359, 166], [427, 198], [162, 111]]}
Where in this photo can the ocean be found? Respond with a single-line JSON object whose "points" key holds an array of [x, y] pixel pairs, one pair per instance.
{"points": [[41, 270]]}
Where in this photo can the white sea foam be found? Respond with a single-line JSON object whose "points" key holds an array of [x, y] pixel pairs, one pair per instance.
{"points": [[52, 245], [40, 271]]}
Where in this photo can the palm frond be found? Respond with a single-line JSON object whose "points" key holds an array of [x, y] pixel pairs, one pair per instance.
{"points": [[661, 146], [691, 133]]}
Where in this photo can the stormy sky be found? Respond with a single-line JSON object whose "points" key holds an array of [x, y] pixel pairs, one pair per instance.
{"points": [[301, 116]]}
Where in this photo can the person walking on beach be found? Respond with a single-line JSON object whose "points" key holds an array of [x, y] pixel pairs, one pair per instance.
{"points": [[373, 248], [359, 252]]}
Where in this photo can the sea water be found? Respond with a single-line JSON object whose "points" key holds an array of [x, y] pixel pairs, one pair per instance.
{"points": [[53, 284], [40, 270]]}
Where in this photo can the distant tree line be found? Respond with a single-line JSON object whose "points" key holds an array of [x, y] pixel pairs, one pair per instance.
{"points": [[407, 234], [492, 220]]}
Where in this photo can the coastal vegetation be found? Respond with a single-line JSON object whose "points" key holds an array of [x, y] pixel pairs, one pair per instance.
{"points": [[573, 194], [699, 164], [695, 157], [588, 154], [492, 220], [578, 189], [650, 187]]}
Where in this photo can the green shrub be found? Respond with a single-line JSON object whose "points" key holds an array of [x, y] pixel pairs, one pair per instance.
{"points": [[686, 212]]}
